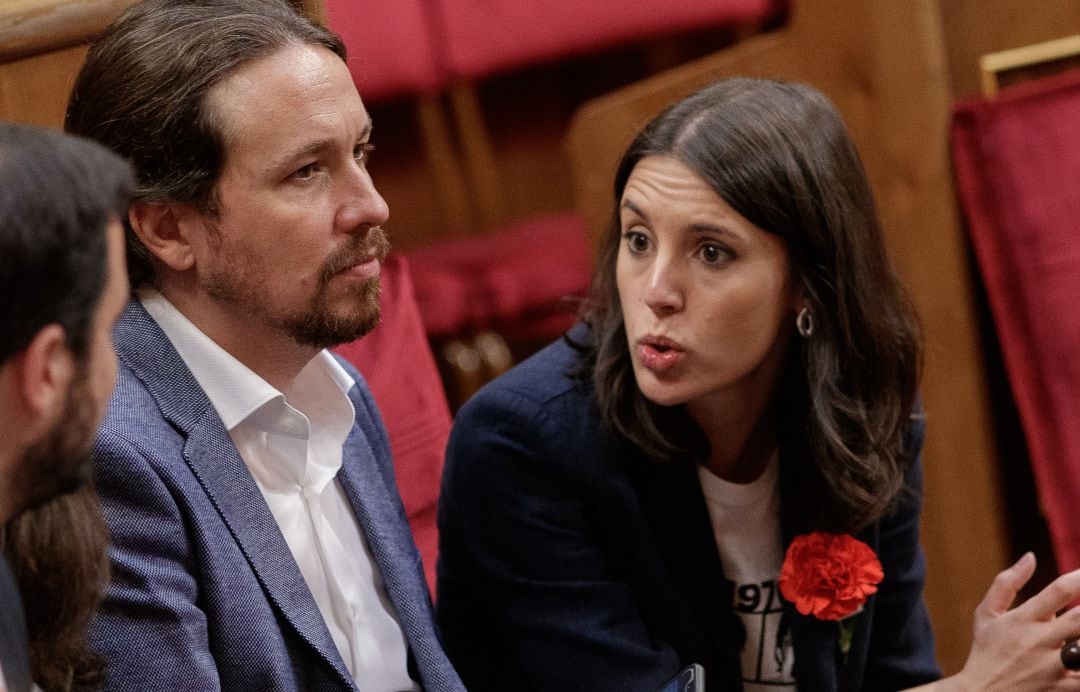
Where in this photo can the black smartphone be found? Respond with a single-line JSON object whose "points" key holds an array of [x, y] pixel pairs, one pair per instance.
{"points": [[690, 679]]}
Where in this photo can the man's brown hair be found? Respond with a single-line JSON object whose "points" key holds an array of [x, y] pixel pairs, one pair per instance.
{"points": [[144, 86]]}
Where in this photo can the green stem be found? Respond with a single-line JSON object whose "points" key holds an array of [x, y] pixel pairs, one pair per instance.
{"points": [[847, 631]]}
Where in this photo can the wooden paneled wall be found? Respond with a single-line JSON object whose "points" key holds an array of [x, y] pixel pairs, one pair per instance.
{"points": [[973, 28], [42, 46], [26, 96]]}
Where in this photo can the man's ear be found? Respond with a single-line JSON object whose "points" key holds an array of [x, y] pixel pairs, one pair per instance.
{"points": [[163, 227], [44, 373]]}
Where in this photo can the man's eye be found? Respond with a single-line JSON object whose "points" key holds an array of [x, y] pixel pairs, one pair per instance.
{"points": [[304, 172], [362, 153]]}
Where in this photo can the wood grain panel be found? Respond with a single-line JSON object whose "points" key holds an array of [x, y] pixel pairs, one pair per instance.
{"points": [[35, 90], [975, 27], [30, 27]]}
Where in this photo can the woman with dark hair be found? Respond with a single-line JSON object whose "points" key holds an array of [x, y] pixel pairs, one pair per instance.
{"points": [[721, 466], [59, 553]]}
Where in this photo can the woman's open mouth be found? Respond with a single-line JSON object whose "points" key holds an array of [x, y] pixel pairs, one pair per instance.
{"points": [[659, 354]]}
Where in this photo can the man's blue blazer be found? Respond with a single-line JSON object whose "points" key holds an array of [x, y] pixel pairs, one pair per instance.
{"points": [[205, 593]]}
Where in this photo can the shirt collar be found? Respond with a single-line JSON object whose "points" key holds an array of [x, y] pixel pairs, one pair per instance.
{"points": [[320, 392], [235, 391]]}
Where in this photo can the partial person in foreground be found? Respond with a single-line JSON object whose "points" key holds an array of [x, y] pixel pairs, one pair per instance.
{"points": [[722, 464], [63, 283], [259, 542]]}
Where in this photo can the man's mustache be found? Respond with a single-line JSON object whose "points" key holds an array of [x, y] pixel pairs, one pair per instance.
{"points": [[372, 245]]}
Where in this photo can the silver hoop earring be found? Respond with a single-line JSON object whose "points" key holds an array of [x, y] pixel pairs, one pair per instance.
{"points": [[804, 322]]}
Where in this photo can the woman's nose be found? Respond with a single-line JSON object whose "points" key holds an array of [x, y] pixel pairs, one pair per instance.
{"points": [[663, 294]]}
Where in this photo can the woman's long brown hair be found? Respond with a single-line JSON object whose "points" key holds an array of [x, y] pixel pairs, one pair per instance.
{"points": [[779, 154], [58, 552]]}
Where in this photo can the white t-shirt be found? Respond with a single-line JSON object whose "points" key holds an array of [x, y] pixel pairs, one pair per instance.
{"points": [[746, 524]]}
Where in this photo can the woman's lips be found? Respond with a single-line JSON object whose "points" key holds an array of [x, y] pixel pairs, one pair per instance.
{"points": [[659, 355]]}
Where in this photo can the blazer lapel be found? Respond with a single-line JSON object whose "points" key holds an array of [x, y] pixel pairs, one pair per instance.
{"points": [[232, 489], [815, 642], [212, 457], [373, 494], [819, 665], [816, 650], [671, 497]]}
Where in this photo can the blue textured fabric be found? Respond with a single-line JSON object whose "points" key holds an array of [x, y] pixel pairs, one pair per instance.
{"points": [[14, 647], [205, 594], [568, 561]]}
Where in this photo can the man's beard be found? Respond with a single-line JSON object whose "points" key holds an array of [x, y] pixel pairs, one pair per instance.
{"points": [[316, 324], [62, 461]]}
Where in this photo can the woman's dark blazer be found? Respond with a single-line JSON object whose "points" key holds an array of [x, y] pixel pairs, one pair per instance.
{"points": [[569, 563]]}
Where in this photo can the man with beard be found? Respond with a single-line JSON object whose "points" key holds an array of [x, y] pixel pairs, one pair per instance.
{"points": [[259, 542], [63, 284]]}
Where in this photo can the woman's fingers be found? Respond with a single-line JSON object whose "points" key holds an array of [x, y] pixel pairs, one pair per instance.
{"points": [[1002, 592], [1064, 628], [1021, 648], [1045, 604]]}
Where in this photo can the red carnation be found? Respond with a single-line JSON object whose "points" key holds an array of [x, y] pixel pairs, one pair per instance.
{"points": [[829, 575]]}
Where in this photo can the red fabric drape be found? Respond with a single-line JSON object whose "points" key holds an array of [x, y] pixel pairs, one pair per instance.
{"points": [[1017, 167]]}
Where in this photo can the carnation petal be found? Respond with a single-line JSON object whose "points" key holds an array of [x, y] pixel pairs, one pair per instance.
{"points": [[829, 575]]}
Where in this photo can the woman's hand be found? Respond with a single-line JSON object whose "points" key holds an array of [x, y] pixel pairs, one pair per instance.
{"points": [[1020, 649]]}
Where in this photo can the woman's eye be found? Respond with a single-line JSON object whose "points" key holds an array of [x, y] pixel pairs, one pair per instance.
{"points": [[714, 253], [636, 242]]}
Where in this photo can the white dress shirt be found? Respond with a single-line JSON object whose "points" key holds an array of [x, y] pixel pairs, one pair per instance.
{"points": [[292, 443]]}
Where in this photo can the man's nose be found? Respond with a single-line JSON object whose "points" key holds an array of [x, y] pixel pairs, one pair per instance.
{"points": [[361, 205]]}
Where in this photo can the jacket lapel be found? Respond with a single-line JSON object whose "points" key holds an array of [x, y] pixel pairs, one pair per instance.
{"points": [[369, 485], [815, 642], [671, 497], [816, 646], [819, 665], [212, 457]]}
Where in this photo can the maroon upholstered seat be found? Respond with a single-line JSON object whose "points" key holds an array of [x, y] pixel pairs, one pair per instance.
{"points": [[510, 280], [482, 37], [391, 48], [1017, 165], [392, 54]]}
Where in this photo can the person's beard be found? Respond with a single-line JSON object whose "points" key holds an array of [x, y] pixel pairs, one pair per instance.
{"points": [[62, 461], [316, 324]]}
